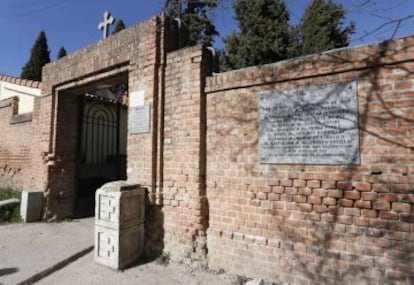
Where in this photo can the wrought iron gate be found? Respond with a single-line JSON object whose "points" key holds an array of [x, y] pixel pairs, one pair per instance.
{"points": [[100, 133], [99, 160]]}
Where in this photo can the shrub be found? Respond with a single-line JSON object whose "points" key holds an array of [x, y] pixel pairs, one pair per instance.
{"points": [[9, 214]]}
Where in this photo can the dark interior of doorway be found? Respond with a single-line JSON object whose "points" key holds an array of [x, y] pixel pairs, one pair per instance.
{"points": [[102, 143]]}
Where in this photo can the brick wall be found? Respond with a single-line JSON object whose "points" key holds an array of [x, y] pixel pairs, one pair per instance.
{"points": [[209, 196], [185, 205], [328, 224], [137, 52], [15, 145]]}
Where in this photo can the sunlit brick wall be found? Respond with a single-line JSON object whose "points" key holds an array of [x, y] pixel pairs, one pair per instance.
{"points": [[329, 224], [15, 145]]}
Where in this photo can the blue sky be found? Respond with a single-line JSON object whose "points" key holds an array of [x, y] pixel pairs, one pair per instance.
{"points": [[73, 23]]}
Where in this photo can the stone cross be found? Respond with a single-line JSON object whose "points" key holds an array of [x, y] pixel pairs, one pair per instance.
{"points": [[108, 20]]}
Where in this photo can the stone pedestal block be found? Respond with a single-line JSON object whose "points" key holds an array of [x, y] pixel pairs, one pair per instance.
{"points": [[119, 224], [118, 249], [31, 206]]}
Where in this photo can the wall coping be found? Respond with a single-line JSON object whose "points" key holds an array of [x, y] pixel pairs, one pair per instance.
{"points": [[21, 81], [334, 61]]}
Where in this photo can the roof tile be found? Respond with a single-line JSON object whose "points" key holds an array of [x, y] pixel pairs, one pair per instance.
{"points": [[21, 81]]}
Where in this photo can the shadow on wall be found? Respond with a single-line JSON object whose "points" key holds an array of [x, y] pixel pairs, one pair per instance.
{"points": [[154, 232], [356, 221]]}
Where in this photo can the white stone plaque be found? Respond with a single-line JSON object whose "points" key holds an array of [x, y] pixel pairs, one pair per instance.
{"points": [[313, 125], [136, 99], [139, 119]]}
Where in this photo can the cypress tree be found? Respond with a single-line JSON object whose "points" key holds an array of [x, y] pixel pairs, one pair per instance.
{"points": [[62, 52], [264, 35], [38, 58], [195, 18], [321, 27], [119, 26]]}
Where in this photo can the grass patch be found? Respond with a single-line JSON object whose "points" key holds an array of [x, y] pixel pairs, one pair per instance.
{"points": [[8, 193], [9, 214]]}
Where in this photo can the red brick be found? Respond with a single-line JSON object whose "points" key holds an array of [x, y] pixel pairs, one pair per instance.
{"points": [[313, 216], [388, 197], [305, 191], [286, 182], [363, 204], [286, 197], [313, 183], [408, 198], [388, 215], [261, 196], [352, 212], [369, 196], [278, 189], [363, 186], [361, 221], [401, 207], [320, 209], [329, 201], [319, 192], [300, 199], [404, 84], [401, 188], [314, 200], [326, 184], [299, 183], [335, 193], [339, 176], [278, 205], [291, 190], [274, 197], [352, 195], [382, 242], [347, 220], [344, 185], [370, 213], [306, 175], [345, 203], [378, 223], [380, 188], [381, 205], [328, 218], [304, 207], [265, 189]]}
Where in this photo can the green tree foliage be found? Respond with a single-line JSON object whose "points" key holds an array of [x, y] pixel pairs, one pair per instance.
{"points": [[119, 26], [264, 35], [195, 18], [62, 52], [321, 27], [38, 58]]}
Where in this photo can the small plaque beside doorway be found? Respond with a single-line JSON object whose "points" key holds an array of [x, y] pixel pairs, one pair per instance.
{"points": [[139, 119]]}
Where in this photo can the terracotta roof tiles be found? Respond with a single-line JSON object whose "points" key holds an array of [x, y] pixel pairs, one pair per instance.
{"points": [[21, 81]]}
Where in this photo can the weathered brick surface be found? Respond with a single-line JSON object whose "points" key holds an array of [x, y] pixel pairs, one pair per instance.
{"points": [[137, 51], [15, 146], [209, 196], [332, 224], [185, 205]]}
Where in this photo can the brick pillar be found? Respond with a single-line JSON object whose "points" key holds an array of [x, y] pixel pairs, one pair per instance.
{"points": [[185, 202]]}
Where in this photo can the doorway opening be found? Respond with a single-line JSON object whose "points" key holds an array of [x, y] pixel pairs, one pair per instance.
{"points": [[90, 142], [102, 144]]}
